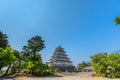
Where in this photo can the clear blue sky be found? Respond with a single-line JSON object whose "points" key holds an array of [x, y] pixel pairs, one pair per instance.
{"points": [[82, 27]]}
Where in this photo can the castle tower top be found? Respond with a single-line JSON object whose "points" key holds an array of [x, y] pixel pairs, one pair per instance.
{"points": [[59, 49]]}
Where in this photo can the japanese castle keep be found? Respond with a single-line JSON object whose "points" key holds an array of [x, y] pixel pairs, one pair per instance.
{"points": [[60, 60]]}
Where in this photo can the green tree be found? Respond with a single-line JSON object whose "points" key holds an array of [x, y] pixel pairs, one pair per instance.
{"points": [[82, 65], [16, 65], [29, 65], [117, 20], [3, 40], [97, 58], [106, 65], [32, 59], [35, 44], [6, 58]]}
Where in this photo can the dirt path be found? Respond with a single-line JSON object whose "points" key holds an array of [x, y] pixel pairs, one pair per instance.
{"points": [[66, 76]]}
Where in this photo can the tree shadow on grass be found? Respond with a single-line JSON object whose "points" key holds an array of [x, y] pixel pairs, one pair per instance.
{"points": [[14, 78], [7, 78], [47, 76]]}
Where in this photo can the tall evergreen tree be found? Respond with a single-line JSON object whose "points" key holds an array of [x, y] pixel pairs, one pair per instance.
{"points": [[35, 44], [31, 57], [3, 40]]}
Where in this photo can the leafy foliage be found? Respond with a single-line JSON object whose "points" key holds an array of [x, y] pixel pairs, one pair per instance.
{"points": [[82, 65], [3, 40], [6, 57], [36, 67], [35, 44], [32, 61], [106, 65], [16, 65], [28, 61], [117, 20]]}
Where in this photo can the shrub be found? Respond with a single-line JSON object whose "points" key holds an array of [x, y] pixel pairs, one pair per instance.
{"points": [[106, 65]]}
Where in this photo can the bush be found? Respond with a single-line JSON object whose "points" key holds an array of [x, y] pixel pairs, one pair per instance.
{"points": [[36, 67], [106, 65]]}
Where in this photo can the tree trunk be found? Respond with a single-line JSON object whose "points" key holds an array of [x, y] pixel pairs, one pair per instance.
{"points": [[34, 53], [0, 68], [7, 70]]}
